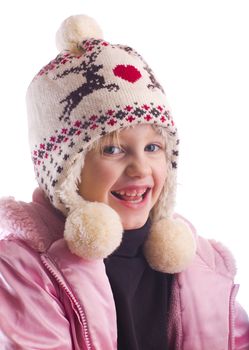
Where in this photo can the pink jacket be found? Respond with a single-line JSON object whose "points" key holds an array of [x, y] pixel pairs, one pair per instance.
{"points": [[52, 299]]}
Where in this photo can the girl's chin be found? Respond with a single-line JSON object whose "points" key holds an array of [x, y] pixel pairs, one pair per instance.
{"points": [[133, 215], [132, 219], [133, 224]]}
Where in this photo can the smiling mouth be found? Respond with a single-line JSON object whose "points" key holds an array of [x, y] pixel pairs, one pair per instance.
{"points": [[131, 197]]}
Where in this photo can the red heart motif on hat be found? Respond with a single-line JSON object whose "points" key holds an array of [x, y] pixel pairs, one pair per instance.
{"points": [[129, 72]]}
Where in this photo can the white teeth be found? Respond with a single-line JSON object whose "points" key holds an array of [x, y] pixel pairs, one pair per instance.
{"points": [[131, 194]]}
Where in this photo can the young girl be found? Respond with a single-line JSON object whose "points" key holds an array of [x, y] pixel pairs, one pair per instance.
{"points": [[99, 260]]}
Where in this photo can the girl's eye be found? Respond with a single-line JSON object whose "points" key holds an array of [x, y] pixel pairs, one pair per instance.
{"points": [[112, 150], [152, 147]]}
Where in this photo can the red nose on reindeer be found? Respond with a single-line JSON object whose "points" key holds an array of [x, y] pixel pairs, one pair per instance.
{"points": [[129, 73]]}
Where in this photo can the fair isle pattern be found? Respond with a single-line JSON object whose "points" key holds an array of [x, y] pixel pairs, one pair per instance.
{"points": [[54, 150], [82, 97]]}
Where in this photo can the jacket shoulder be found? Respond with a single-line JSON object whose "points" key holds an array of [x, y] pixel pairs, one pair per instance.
{"points": [[212, 253], [36, 223], [217, 256]]}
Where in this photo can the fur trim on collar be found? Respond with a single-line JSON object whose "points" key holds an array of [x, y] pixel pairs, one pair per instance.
{"points": [[37, 223]]}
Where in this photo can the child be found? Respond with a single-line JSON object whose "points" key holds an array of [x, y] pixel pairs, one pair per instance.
{"points": [[99, 260]]}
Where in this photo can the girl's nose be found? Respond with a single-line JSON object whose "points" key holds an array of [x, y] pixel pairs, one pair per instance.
{"points": [[138, 167]]}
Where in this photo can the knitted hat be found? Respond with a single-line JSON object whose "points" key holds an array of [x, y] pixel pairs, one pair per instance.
{"points": [[90, 89]]}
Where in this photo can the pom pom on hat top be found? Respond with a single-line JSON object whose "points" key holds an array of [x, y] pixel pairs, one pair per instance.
{"points": [[90, 89], [74, 30]]}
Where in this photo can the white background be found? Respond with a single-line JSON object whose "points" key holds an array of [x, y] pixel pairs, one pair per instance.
{"points": [[199, 51]]}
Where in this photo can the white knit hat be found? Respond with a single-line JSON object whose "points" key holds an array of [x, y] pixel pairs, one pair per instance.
{"points": [[90, 89]]}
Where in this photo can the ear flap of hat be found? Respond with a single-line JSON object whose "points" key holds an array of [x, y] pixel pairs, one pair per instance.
{"points": [[170, 246], [92, 230]]}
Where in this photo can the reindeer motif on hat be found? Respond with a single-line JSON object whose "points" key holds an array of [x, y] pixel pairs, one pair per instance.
{"points": [[93, 81]]}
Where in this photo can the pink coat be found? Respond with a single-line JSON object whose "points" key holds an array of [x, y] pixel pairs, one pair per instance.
{"points": [[52, 299]]}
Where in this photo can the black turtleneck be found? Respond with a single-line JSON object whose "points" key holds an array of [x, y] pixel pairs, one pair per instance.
{"points": [[141, 295]]}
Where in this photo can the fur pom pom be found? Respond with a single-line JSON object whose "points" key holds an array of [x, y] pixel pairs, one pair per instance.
{"points": [[93, 231], [170, 246], [74, 30]]}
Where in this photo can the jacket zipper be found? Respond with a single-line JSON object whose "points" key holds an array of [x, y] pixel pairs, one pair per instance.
{"points": [[234, 292], [47, 263]]}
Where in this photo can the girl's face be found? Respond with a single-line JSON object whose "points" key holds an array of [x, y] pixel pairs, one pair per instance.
{"points": [[128, 176]]}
